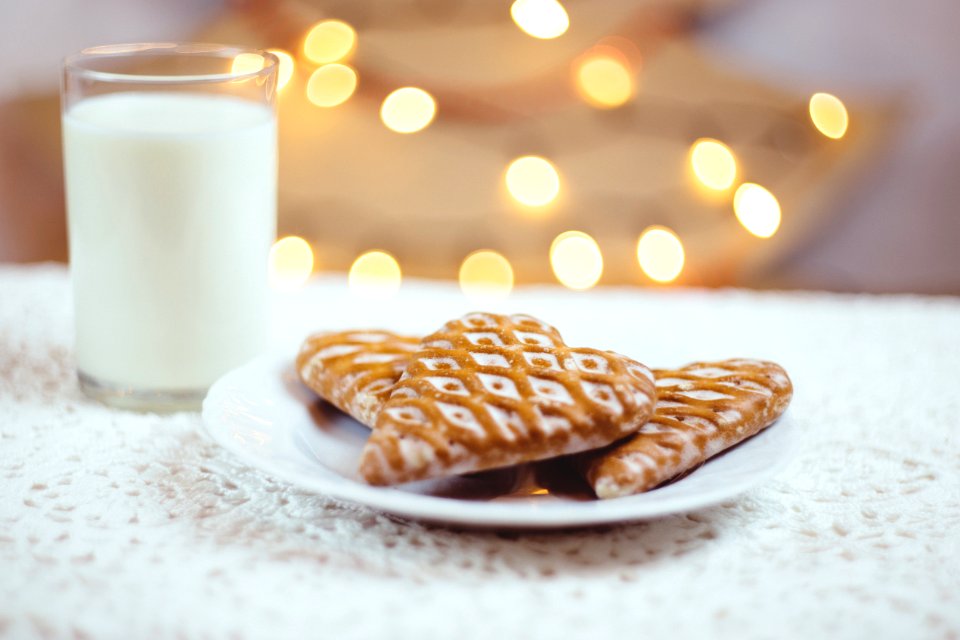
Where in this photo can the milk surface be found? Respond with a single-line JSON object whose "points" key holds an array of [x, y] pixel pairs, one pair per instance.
{"points": [[171, 203]]}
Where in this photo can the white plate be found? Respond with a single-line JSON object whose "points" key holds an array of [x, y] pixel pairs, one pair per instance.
{"points": [[262, 413]]}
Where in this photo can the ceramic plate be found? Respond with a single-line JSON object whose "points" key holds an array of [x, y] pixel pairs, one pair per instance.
{"points": [[263, 414]]}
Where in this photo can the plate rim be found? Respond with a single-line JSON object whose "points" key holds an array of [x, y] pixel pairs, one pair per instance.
{"points": [[475, 514]]}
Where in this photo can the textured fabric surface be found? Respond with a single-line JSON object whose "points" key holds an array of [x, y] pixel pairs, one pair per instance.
{"points": [[119, 525]]}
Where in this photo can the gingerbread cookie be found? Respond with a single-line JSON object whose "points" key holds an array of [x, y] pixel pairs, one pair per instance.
{"points": [[355, 370], [489, 391], [702, 409]]}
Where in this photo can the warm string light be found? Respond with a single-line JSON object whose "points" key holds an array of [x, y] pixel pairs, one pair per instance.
{"points": [[660, 254], [244, 63], [291, 263], [532, 181], [331, 85], [603, 80], [713, 164], [486, 275], [284, 69], [576, 260], [408, 110], [544, 19], [375, 275], [829, 115], [757, 209], [252, 62], [329, 41]]}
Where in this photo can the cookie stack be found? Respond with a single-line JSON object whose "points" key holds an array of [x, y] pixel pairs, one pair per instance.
{"points": [[488, 391]]}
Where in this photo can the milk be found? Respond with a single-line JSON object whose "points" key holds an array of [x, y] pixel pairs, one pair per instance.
{"points": [[172, 209]]}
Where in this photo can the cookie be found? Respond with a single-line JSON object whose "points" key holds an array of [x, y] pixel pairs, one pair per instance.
{"points": [[355, 370], [488, 391], [702, 409]]}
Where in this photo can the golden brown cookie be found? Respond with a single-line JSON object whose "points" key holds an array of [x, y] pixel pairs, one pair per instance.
{"points": [[489, 391], [702, 409], [355, 370]]}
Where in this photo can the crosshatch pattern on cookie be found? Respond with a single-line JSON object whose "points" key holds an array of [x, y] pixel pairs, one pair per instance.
{"points": [[355, 370], [702, 409], [488, 391]]}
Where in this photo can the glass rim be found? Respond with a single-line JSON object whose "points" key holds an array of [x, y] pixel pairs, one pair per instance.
{"points": [[73, 63]]}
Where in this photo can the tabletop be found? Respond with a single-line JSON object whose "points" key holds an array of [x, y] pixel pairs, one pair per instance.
{"points": [[125, 525]]}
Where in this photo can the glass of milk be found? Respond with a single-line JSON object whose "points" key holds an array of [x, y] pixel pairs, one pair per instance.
{"points": [[170, 156]]}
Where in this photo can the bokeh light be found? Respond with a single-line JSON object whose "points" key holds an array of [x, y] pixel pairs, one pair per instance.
{"points": [[713, 164], [660, 254], [829, 115], [486, 275], [285, 69], [604, 81], [408, 110], [374, 275], [544, 19], [246, 63], [757, 209], [291, 263], [331, 85], [329, 41], [576, 260], [533, 181]]}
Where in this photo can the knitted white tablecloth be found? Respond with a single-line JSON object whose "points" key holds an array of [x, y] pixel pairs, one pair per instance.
{"points": [[119, 525]]}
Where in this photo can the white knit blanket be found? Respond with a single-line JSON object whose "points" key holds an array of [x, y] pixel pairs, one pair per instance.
{"points": [[119, 525]]}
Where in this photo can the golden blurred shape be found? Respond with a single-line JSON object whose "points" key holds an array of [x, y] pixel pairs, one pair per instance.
{"points": [[291, 263], [757, 209], [486, 275], [533, 181], [544, 19], [713, 164], [660, 253], [331, 85], [604, 81], [829, 115], [408, 110], [285, 69], [329, 41], [576, 260], [245, 63], [374, 275]]}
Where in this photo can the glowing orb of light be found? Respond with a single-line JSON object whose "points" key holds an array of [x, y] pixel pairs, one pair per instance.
{"points": [[576, 260], [486, 275], [329, 41], [291, 263], [544, 19], [533, 181], [660, 254], [374, 275], [331, 85], [245, 63], [829, 115], [757, 209], [604, 81], [713, 164], [285, 69], [408, 110]]}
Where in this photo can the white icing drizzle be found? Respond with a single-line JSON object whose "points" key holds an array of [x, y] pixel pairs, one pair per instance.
{"points": [[602, 394], [542, 360], [489, 359], [499, 385], [446, 384], [704, 394], [550, 390]]}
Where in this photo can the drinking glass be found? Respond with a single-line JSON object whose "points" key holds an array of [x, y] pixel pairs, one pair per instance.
{"points": [[170, 161]]}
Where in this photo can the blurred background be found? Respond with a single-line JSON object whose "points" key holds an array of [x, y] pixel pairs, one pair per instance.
{"points": [[757, 143]]}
